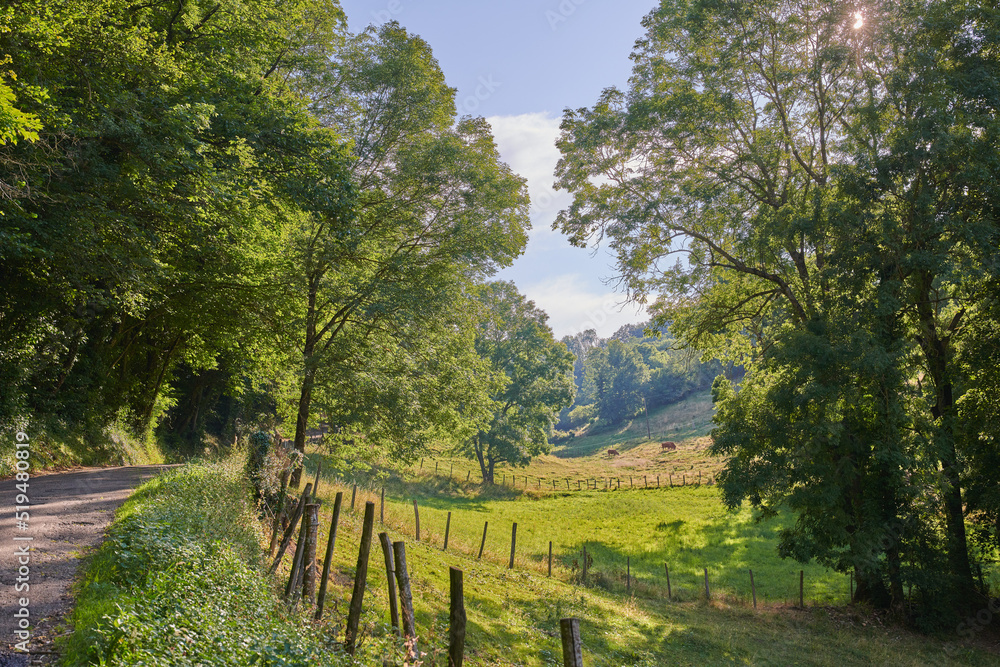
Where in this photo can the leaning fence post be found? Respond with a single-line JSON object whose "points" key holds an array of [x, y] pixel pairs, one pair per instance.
{"points": [[300, 547], [390, 571], [456, 621], [753, 590], [447, 529], [360, 578], [279, 510], [569, 628], [666, 569], [483, 543], [337, 501], [291, 529], [319, 468], [513, 542], [405, 598]]}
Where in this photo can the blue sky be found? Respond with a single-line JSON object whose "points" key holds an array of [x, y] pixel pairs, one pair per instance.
{"points": [[519, 63]]}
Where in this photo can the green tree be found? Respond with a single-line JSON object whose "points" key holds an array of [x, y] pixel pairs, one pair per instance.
{"points": [[537, 379], [618, 377], [435, 209], [829, 178]]}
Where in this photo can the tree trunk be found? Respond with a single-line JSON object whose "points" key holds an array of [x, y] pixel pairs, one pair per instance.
{"points": [[936, 352], [308, 381], [487, 475]]}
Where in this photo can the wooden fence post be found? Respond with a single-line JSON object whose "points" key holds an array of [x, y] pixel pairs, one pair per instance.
{"points": [[435, 467], [684, 480], [447, 529], [513, 542], [802, 579], [468, 475], [666, 569], [671, 480], [456, 621], [753, 590], [300, 545], [657, 481], [628, 574], [360, 578], [309, 555], [569, 628], [405, 598], [319, 467], [381, 507], [390, 571], [550, 558], [416, 517], [287, 537], [708, 595], [354, 493], [279, 510], [337, 501], [483, 543]]}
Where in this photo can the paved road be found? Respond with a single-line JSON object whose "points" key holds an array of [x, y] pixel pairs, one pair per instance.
{"points": [[69, 513]]}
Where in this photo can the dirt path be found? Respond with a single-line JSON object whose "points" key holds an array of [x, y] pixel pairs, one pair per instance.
{"points": [[69, 513]]}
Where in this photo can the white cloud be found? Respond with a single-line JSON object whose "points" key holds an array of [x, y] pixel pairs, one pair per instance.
{"points": [[527, 143], [573, 308]]}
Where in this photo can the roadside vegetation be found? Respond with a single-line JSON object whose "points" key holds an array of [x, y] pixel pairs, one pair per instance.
{"points": [[179, 581]]}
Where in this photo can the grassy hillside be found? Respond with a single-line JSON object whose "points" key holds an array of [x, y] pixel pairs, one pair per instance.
{"points": [[584, 457]]}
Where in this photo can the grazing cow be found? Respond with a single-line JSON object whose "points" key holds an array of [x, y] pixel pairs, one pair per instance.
{"points": [[612, 453], [669, 446]]}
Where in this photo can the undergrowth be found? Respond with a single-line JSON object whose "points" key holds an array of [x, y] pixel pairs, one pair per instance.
{"points": [[179, 581]]}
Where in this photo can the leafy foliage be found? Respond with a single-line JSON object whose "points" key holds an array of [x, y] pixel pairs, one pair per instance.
{"points": [[828, 174], [535, 379]]}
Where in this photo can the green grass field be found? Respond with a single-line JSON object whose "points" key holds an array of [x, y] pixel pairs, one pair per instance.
{"points": [[514, 614]]}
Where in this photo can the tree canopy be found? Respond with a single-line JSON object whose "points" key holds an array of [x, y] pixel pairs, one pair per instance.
{"points": [[535, 379], [808, 190]]}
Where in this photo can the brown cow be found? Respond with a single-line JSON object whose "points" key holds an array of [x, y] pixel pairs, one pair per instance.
{"points": [[612, 452], [669, 446]]}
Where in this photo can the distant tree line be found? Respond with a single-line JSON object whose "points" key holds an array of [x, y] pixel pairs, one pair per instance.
{"points": [[618, 377]]}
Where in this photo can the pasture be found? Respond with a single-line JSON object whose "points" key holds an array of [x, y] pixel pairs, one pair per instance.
{"points": [[514, 614]]}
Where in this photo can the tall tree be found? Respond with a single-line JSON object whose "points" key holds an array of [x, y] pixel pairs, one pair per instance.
{"points": [[828, 175], [537, 379], [435, 209], [618, 377]]}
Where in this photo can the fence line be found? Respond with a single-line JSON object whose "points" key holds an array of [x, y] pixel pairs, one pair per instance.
{"points": [[618, 575]]}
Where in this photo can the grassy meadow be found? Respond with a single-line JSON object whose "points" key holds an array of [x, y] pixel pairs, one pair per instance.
{"points": [[514, 614]]}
